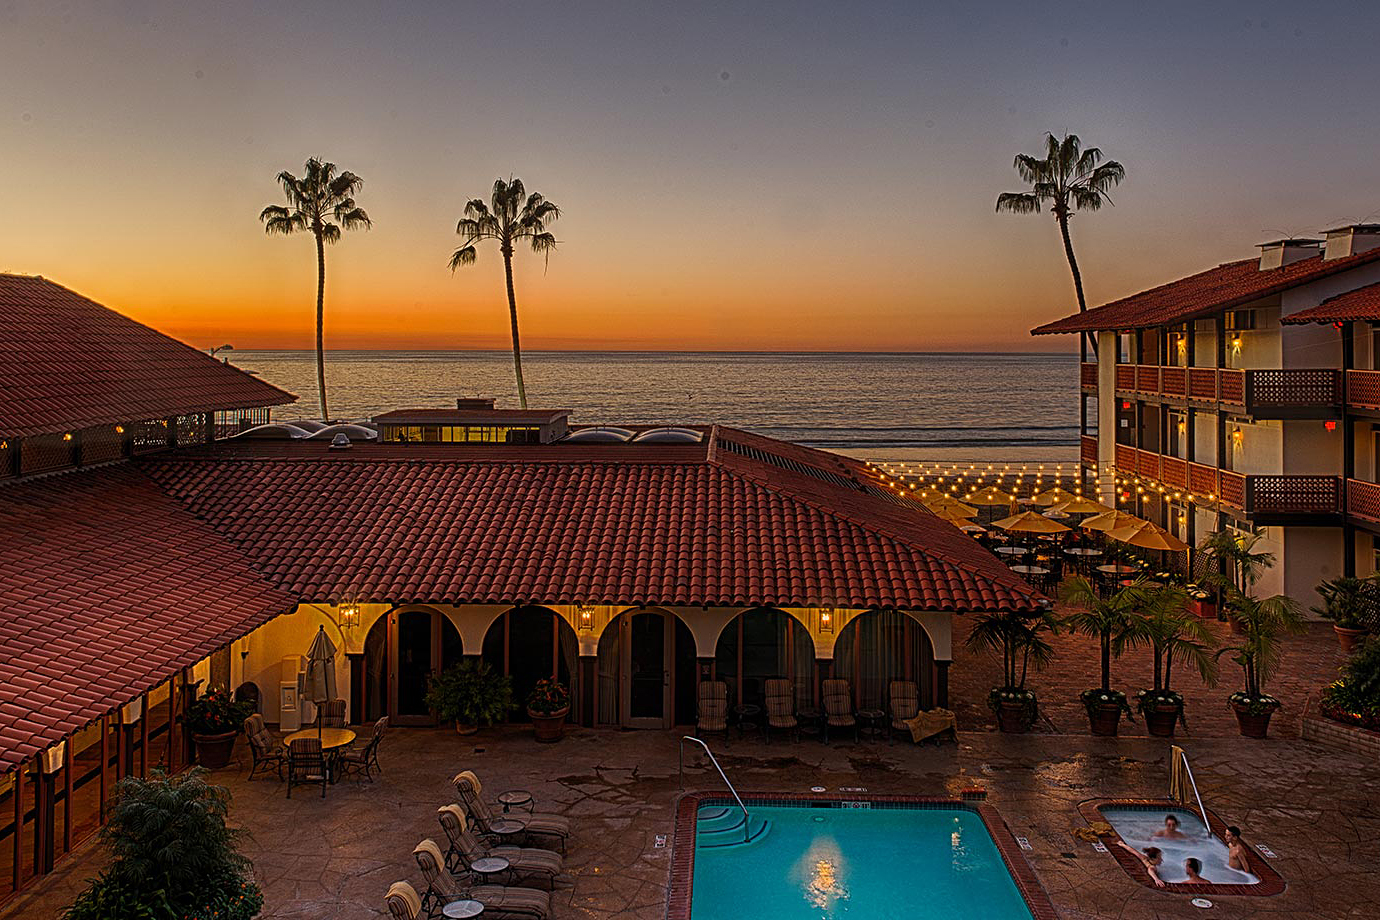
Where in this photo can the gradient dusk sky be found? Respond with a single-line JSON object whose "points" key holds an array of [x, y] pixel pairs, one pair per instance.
{"points": [[734, 176]]}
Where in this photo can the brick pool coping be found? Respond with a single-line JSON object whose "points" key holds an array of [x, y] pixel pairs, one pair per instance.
{"points": [[680, 889], [1271, 882]]}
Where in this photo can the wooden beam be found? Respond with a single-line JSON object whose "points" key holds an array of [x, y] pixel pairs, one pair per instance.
{"points": [[105, 765], [18, 826], [68, 760]]}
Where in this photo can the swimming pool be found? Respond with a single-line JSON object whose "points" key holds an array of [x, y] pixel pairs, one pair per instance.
{"points": [[824, 859], [1138, 825]]}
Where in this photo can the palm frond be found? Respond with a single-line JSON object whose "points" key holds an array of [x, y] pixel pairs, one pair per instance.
{"points": [[465, 255], [351, 217], [330, 233], [1018, 203]]}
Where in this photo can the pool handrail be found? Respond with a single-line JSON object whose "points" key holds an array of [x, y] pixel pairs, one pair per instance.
{"points": [[747, 830], [1188, 771]]}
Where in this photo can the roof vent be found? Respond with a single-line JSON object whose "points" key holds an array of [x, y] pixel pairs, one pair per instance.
{"points": [[1279, 253], [476, 402], [669, 436], [600, 435], [341, 441], [1350, 241]]}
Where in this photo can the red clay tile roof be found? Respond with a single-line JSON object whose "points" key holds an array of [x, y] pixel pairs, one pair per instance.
{"points": [[70, 363], [108, 587], [569, 528], [1231, 285], [1360, 304]]}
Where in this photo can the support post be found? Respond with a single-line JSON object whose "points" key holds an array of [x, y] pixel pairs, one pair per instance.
{"points": [[589, 689], [941, 684]]}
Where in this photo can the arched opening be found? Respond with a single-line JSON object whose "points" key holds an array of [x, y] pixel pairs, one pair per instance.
{"points": [[881, 646], [760, 644], [646, 671], [528, 644], [401, 652]]}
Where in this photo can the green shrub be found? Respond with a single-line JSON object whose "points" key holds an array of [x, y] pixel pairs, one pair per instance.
{"points": [[471, 693], [1355, 696]]}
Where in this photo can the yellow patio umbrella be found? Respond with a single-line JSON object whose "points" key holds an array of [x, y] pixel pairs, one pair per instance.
{"points": [[989, 496], [954, 512], [1029, 522], [1052, 496], [1081, 505], [1149, 536], [940, 503], [1110, 520]]}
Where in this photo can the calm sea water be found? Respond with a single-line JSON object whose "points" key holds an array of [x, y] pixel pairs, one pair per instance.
{"points": [[884, 406]]}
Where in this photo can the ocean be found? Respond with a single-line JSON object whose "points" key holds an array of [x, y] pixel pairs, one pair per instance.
{"points": [[876, 406]]}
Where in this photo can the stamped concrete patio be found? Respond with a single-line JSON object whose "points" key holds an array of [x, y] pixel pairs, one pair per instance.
{"points": [[335, 857]]}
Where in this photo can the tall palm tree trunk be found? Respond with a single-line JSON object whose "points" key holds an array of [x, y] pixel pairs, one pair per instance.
{"points": [[1089, 343], [321, 325], [512, 316]]}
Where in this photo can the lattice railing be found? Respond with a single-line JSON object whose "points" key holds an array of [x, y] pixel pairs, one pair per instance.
{"points": [[1087, 449], [1202, 479], [1174, 472], [1301, 387], [1087, 376], [1147, 378], [1363, 389], [1231, 386], [1173, 380], [1231, 488], [1202, 383], [1148, 464], [1125, 376], [1294, 494], [1363, 499], [1125, 458]]}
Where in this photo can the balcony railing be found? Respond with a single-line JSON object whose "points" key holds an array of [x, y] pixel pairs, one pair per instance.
{"points": [[1363, 500], [1363, 389], [1087, 376], [1264, 392], [1087, 449], [1287, 495]]}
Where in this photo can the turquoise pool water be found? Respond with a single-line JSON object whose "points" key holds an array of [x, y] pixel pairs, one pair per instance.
{"points": [[806, 863]]}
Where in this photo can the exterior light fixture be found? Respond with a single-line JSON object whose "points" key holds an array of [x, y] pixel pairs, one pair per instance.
{"points": [[1236, 345], [119, 429], [1237, 435], [585, 614], [826, 619], [67, 436], [349, 609]]}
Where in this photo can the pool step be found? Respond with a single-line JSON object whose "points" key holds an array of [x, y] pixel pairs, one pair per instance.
{"points": [[726, 830]]}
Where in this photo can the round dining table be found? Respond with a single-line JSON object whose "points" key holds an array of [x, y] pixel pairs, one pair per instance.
{"points": [[332, 740], [1116, 569], [1084, 552], [1012, 550], [1029, 569]]}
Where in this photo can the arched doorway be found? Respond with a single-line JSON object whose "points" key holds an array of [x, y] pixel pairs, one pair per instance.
{"points": [[528, 644], [761, 644], [881, 646], [646, 671], [401, 652]]}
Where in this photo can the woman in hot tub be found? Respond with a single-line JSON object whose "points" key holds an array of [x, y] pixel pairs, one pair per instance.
{"points": [[1170, 831], [1152, 859]]}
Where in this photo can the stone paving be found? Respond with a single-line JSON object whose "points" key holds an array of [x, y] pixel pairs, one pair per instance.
{"points": [[335, 857]]}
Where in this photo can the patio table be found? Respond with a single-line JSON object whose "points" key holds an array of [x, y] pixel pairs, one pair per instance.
{"points": [[506, 828], [1115, 569], [515, 798], [1029, 569], [489, 865], [1086, 552], [332, 740], [1012, 550], [871, 722], [463, 909]]}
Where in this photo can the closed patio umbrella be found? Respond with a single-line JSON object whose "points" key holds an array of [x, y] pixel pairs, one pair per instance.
{"points": [[1110, 520], [1149, 536], [1029, 522], [320, 683]]}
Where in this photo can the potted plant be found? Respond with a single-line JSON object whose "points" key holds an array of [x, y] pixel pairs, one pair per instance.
{"points": [[1344, 602], [1264, 624], [1354, 698], [470, 693], [214, 719], [547, 706], [1235, 567], [1019, 637], [1171, 632], [1202, 602], [1115, 622]]}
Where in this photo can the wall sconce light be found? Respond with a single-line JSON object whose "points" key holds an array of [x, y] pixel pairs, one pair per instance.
{"points": [[67, 436], [1236, 345], [585, 614], [1237, 436], [349, 609], [826, 619], [1183, 426]]}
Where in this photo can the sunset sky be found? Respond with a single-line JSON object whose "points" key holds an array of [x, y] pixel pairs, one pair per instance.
{"points": [[734, 176]]}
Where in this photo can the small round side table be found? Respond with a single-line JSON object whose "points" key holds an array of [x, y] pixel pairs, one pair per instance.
{"points": [[463, 909], [515, 798], [489, 865]]}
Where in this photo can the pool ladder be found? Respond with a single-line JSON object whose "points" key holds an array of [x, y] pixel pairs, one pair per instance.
{"points": [[680, 770], [1188, 771]]}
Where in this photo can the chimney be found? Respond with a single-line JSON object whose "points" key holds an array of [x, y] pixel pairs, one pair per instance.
{"points": [[1279, 253], [1350, 241], [478, 402]]}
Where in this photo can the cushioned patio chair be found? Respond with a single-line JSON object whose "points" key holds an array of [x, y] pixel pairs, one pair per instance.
{"points": [[306, 765], [712, 708], [780, 700], [504, 901], [838, 707], [523, 862], [364, 759], [265, 751], [402, 902], [905, 705], [542, 824], [331, 713]]}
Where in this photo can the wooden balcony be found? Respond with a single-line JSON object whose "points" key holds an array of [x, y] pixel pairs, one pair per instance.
{"points": [[1087, 450], [1363, 390], [1294, 499], [1263, 393], [1087, 376], [1363, 501]]}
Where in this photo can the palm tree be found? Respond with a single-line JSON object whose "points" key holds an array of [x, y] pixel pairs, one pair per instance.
{"points": [[1172, 632], [1070, 179], [321, 202], [1266, 623], [510, 216], [1020, 640], [1239, 564], [1113, 620]]}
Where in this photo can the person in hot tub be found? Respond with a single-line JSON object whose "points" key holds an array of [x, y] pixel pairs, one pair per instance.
{"points": [[1170, 831], [1151, 858], [1193, 868], [1236, 850]]}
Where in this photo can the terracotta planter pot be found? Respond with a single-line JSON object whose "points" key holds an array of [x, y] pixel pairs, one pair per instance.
{"points": [[213, 751], [465, 728], [1104, 718], [549, 727], [1350, 638], [1207, 610], [1253, 726], [1011, 718], [1161, 719]]}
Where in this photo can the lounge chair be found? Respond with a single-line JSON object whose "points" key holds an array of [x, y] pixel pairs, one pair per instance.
{"points": [[470, 790], [498, 900], [838, 707], [331, 714], [465, 848], [306, 765], [780, 702], [364, 759], [402, 902], [712, 709], [265, 751], [905, 705]]}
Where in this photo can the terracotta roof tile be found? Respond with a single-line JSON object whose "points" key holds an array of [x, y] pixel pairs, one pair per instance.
{"points": [[70, 363], [1362, 304]]}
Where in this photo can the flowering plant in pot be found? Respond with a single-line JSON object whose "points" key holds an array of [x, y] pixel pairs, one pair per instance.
{"points": [[1264, 625], [1171, 631], [215, 719], [472, 693], [1354, 698], [1344, 602], [1115, 622], [1020, 638], [547, 706]]}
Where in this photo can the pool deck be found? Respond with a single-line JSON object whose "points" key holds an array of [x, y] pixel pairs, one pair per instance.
{"points": [[335, 857]]}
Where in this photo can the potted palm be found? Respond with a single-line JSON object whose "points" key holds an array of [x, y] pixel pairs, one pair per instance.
{"points": [[1172, 631], [470, 693], [1264, 624], [1354, 698], [1236, 566], [1115, 622], [1020, 639], [547, 706], [215, 719], [1344, 602]]}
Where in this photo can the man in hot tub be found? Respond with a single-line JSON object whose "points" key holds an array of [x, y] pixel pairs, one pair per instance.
{"points": [[1170, 831], [1236, 850]]}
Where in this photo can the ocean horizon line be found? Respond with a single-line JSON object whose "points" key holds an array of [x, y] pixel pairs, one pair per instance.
{"points": [[645, 351]]}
